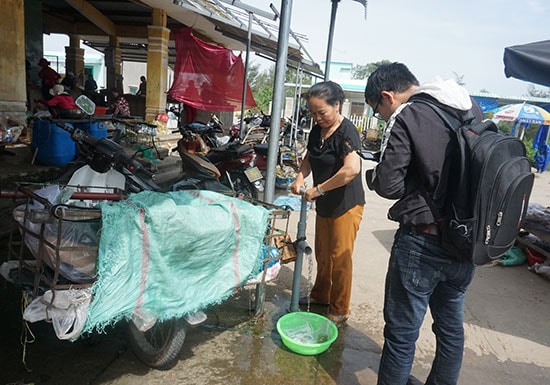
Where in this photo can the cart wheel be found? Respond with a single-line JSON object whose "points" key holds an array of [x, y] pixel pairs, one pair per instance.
{"points": [[159, 347]]}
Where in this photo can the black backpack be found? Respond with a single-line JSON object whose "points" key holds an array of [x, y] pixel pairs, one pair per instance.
{"points": [[488, 194]]}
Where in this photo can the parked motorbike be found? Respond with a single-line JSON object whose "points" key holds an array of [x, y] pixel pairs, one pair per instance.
{"points": [[256, 129], [101, 156], [234, 160], [209, 132]]}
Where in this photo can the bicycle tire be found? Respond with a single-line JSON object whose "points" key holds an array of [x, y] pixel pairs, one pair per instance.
{"points": [[160, 346]]}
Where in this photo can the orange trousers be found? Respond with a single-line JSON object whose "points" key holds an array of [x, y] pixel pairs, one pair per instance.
{"points": [[334, 243]]}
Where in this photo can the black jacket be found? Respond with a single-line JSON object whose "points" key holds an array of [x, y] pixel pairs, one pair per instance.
{"points": [[417, 151]]}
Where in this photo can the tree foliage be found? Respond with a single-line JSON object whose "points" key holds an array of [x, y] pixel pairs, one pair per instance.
{"points": [[361, 71], [537, 93], [262, 83]]}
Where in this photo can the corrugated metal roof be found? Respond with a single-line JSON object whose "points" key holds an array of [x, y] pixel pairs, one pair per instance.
{"points": [[211, 21]]}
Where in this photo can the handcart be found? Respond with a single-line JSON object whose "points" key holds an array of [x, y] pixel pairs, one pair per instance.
{"points": [[63, 240]]}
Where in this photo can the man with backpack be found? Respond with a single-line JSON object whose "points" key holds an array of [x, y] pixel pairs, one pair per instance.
{"points": [[414, 168]]}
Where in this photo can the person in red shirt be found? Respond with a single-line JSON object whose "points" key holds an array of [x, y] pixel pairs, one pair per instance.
{"points": [[61, 104], [48, 76]]}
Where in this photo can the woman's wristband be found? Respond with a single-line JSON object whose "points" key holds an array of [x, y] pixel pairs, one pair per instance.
{"points": [[320, 190]]}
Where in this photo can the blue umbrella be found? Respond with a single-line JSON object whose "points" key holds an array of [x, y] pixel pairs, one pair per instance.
{"points": [[522, 113]]}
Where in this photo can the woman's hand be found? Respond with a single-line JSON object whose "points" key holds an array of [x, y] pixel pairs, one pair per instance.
{"points": [[312, 194], [297, 186]]}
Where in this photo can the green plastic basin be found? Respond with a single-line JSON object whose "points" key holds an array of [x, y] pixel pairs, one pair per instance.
{"points": [[306, 333]]}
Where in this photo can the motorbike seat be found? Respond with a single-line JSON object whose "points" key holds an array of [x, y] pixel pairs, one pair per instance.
{"points": [[198, 127], [227, 152], [199, 162]]}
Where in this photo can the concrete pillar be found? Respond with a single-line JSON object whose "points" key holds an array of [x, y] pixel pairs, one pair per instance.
{"points": [[113, 63], [74, 58], [157, 65], [13, 93], [34, 46]]}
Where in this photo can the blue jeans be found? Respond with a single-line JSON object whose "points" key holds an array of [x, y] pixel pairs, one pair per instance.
{"points": [[422, 273]]}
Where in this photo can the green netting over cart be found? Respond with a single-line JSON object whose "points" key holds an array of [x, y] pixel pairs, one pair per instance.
{"points": [[171, 254]]}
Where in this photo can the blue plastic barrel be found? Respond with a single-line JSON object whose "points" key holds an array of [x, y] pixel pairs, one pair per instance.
{"points": [[96, 129], [53, 145]]}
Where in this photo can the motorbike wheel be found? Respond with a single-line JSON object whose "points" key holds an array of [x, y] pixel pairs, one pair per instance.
{"points": [[159, 347], [240, 184]]}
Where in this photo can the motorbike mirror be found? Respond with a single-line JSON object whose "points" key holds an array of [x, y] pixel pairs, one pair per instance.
{"points": [[85, 104]]}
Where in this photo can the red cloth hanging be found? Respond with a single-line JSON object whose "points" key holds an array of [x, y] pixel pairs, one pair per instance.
{"points": [[207, 76]]}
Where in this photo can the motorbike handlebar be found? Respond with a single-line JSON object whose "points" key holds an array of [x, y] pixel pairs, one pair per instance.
{"points": [[109, 148]]}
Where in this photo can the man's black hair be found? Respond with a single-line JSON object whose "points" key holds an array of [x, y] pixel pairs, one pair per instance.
{"points": [[389, 77]]}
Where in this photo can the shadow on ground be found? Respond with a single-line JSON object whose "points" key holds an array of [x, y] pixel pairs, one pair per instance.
{"points": [[232, 346]]}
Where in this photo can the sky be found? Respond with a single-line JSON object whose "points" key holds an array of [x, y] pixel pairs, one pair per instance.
{"points": [[432, 37]]}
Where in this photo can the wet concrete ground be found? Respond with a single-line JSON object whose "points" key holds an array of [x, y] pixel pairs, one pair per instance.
{"points": [[507, 324]]}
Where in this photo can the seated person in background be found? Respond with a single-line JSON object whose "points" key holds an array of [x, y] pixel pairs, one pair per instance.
{"points": [[120, 105], [61, 105], [142, 86]]}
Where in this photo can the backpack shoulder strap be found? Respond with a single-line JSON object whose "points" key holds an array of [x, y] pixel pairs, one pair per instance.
{"points": [[450, 121], [453, 124]]}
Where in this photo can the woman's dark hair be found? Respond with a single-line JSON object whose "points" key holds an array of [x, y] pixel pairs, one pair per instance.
{"points": [[329, 91], [389, 77]]}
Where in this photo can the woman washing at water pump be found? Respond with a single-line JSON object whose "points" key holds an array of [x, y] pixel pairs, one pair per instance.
{"points": [[338, 192]]}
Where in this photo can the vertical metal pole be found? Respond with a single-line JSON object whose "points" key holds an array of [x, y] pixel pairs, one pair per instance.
{"points": [[293, 126], [297, 100], [330, 38], [245, 81], [278, 98], [301, 248]]}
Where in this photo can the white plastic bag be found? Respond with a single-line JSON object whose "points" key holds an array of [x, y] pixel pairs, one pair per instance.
{"points": [[66, 309]]}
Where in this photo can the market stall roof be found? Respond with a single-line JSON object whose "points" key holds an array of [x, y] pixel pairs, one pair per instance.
{"points": [[212, 21]]}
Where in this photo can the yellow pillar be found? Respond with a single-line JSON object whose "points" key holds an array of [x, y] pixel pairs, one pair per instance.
{"points": [[13, 93], [74, 58], [157, 65]]}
